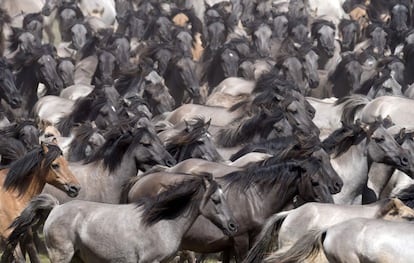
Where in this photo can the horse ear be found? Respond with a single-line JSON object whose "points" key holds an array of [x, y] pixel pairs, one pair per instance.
{"points": [[207, 179], [402, 133], [44, 146], [364, 126], [398, 203]]}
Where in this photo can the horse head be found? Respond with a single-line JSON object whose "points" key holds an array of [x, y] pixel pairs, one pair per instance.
{"points": [[46, 70], [214, 206], [8, 87], [312, 185], [323, 32], [58, 172]]}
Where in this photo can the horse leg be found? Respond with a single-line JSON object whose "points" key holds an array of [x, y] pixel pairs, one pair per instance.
{"points": [[31, 248], [241, 247]]}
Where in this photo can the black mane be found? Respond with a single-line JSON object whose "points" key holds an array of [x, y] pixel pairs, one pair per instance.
{"points": [[279, 175], [21, 171], [175, 200], [340, 140]]}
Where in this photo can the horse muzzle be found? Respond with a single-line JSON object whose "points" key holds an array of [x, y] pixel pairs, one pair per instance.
{"points": [[72, 190]]}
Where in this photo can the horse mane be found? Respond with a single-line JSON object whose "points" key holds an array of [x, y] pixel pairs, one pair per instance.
{"points": [[21, 59], [84, 108], [196, 24], [192, 131], [282, 148], [72, 6], [340, 68], [13, 129], [277, 175], [296, 21], [89, 48], [272, 81], [78, 145], [13, 38], [337, 144], [241, 131], [318, 24], [21, 170], [11, 149], [346, 22], [114, 149], [350, 106], [32, 16], [406, 195], [174, 201]]}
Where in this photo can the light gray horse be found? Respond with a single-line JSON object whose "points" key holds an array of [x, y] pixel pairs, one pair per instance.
{"points": [[359, 240], [297, 223], [147, 231]]}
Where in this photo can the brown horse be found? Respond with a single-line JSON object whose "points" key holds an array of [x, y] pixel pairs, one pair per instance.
{"points": [[25, 179]]}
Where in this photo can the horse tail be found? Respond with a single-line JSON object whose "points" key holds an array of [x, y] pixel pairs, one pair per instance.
{"points": [[35, 212], [305, 249], [266, 239], [351, 105]]}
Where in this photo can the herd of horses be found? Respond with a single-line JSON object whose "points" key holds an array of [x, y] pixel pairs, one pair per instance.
{"points": [[249, 130]]}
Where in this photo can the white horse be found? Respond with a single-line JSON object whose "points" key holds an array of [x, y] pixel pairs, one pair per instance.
{"points": [[297, 223], [358, 240]]}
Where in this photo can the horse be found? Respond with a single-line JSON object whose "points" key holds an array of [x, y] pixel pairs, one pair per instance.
{"points": [[347, 77], [295, 224], [244, 187], [171, 213], [190, 139], [27, 176], [112, 164], [362, 240], [150, 87], [66, 69], [360, 107], [349, 32], [8, 89], [223, 63], [384, 180], [323, 32], [181, 78], [376, 40], [25, 131], [102, 105], [39, 67], [362, 145]]}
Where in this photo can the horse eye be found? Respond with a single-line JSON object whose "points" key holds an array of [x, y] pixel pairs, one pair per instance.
{"points": [[216, 200], [378, 139], [315, 183], [55, 166]]}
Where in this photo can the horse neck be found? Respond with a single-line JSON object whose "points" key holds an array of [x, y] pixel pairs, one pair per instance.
{"points": [[126, 169], [182, 224], [258, 206], [27, 82], [323, 59]]}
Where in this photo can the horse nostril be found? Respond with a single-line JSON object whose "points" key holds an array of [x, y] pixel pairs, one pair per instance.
{"points": [[73, 190], [404, 161], [232, 227], [170, 162]]}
